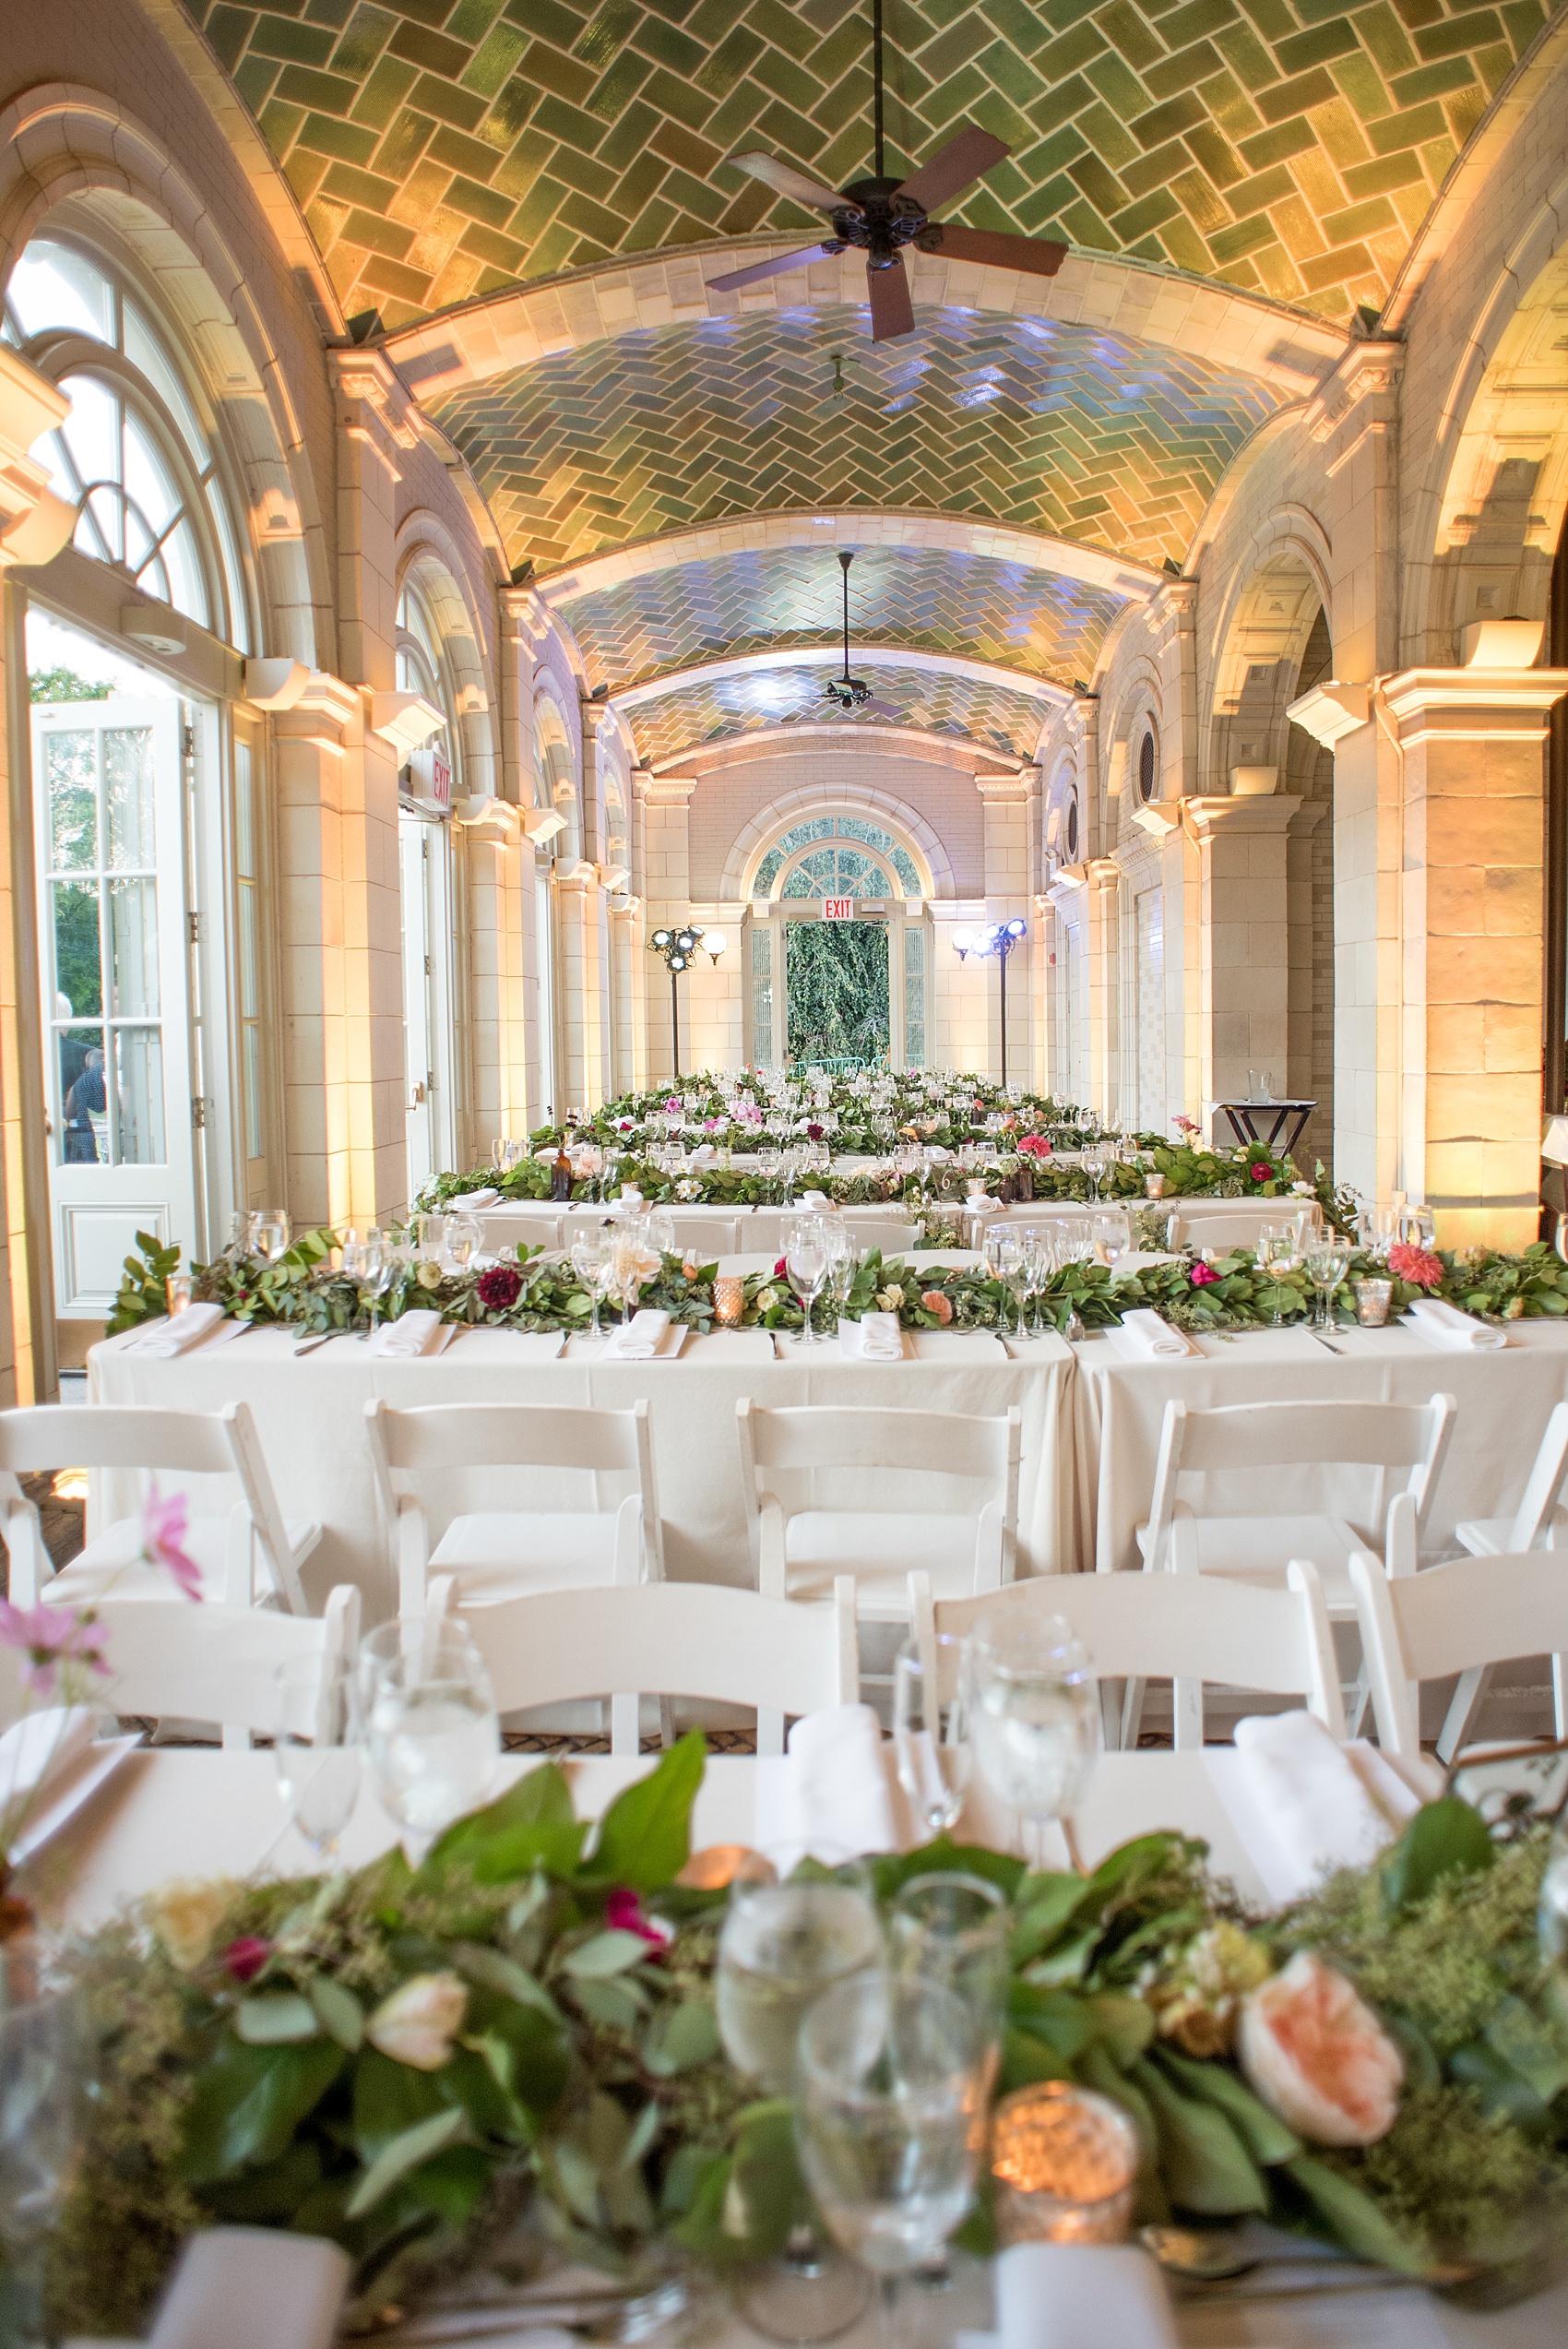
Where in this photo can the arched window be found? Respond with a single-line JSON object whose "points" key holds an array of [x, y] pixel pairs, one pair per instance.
{"points": [[421, 668], [1148, 767], [133, 457], [843, 869], [1070, 829]]}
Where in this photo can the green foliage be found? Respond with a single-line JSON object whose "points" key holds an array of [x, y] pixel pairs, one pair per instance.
{"points": [[143, 1294], [835, 978], [64, 684]]}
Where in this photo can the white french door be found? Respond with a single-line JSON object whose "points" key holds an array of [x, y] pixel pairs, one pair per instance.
{"points": [[115, 957]]}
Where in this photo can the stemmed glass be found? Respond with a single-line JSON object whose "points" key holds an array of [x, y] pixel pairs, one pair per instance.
{"points": [[433, 1734], [270, 1234], [461, 1241], [1328, 1259], [805, 1261], [594, 1266], [1034, 1716], [889, 2120], [843, 1263], [315, 1747], [931, 1738], [1095, 1158], [1278, 1253], [951, 1927], [1112, 1235], [500, 1153]]}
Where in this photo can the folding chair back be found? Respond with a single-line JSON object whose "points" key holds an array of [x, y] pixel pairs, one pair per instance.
{"points": [[1458, 1619], [215, 1662]]}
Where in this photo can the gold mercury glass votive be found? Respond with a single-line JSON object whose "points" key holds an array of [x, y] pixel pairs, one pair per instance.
{"points": [[729, 1298], [179, 1292], [1064, 2160], [1372, 1301], [1154, 1186]]}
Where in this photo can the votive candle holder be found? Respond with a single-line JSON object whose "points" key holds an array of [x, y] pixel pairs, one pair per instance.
{"points": [[179, 1291], [728, 1299], [1372, 1301], [1064, 2161]]}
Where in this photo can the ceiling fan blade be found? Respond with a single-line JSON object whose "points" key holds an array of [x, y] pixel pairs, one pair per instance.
{"points": [[785, 180], [892, 311], [733, 279], [953, 167], [879, 710], [1034, 255]]}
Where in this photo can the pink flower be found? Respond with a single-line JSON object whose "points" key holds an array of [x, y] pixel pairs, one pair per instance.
{"points": [[935, 1302], [1202, 1274], [164, 1524], [1316, 2053], [672, 1106], [711, 1125], [1262, 1171], [245, 1957], [500, 1288], [1184, 1125], [47, 1638], [624, 1913], [1033, 1146], [1419, 1266], [780, 1268]]}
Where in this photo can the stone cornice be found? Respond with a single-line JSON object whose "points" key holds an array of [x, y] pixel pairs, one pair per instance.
{"points": [[375, 405], [1331, 711], [1206, 818], [1472, 705], [1368, 371]]}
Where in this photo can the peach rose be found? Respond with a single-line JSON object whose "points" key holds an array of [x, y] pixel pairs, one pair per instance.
{"points": [[934, 1302], [1316, 2053]]}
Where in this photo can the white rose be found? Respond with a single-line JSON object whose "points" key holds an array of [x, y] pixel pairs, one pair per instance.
{"points": [[766, 1298], [185, 1913], [889, 1300], [418, 2024]]}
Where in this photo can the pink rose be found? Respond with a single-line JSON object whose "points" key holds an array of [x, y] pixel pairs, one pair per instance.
{"points": [[245, 1957], [1315, 2052], [935, 1302], [1202, 1274], [1033, 1146], [1418, 1266]]}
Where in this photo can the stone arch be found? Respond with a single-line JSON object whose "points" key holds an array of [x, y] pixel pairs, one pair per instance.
{"points": [[1139, 709], [556, 781], [752, 842], [428, 558], [1065, 839], [1268, 615], [71, 157]]}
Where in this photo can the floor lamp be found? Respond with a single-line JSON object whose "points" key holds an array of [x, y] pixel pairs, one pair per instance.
{"points": [[997, 938], [678, 947]]}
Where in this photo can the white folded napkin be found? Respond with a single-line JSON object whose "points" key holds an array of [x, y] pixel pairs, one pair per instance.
{"points": [[1069, 2295], [640, 1339], [254, 2287], [1315, 1802], [1444, 1324], [703, 1152], [876, 1338], [34, 1752], [180, 1332], [411, 1334], [462, 1200], [1147, 1333], [828, 1794]]}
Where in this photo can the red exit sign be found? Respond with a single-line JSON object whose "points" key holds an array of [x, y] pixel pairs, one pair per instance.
{"points": [[837, 909]]}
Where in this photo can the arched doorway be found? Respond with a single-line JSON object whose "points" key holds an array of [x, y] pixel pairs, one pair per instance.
{"points": [[839, 949]]}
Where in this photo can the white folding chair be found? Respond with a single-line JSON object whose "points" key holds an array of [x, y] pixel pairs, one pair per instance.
{"points": [[1182, 1628], [692, 1640], [894, 1235], [1473, 1613], [803, 1551], [1538, 1523], [1234, 1225], [216, 1662], [496, 1555], [251, 1556]]}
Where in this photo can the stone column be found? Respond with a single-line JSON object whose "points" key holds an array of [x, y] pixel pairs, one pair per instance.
{"points": [[1103, 943], [1243, 938], [665, 800], [583, 976], [1008, 799], [1472, 912]]}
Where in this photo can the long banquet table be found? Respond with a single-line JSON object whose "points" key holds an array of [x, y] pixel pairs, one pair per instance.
{"points": [[192, 1814], [310, 1414]]}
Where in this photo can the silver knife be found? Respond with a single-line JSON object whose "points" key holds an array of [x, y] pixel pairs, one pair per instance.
{"points": [[309, 1346], [1328, 1342]]}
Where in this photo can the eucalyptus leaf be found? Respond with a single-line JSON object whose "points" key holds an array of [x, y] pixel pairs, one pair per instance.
{"points": [[274, 2019], [247, 2101], [405, 2153], [498, 1971], [338, 2011], [1203, 2161], [678, 2037], [1355, 2218], [606, 1953]]}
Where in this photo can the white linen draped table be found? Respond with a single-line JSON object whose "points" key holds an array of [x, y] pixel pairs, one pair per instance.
{"points": [[1504, 1400], [310, 1416]]}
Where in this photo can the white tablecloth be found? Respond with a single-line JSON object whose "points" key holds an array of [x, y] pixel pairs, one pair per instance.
{"points": [[1505, 1401], [310, 1414]]}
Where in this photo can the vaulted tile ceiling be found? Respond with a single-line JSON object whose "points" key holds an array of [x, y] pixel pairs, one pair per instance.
{"points": [[1050, 427], [709, 708], [445, 148], [674, 619]]}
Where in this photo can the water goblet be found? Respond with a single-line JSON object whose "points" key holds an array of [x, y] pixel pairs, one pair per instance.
{"points": [[433, 1734], [315, 1747], [1034, 1716], [1328, 1259], [430, 1236], [1112, 1235], [951, 1927], [270, 1234], [1095, 1158], [770, 1158], [805, 1261], [930, 1737], [1277, 1253], [500, 1154], [594, 1267]]}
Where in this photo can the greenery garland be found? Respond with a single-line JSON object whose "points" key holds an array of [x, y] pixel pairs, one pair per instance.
{"points": [[399, 2058]]}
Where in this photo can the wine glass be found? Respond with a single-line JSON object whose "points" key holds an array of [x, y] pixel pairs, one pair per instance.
{"points": [[1094, 1158], [1328, 1259], [1040, 1243], [41, 2060], [805, 1261], [1034, 1717], [888, 2118], [461, 1241], [270, 1234], [843, 1263], [500, 1153], [315, 1747], [1277, 1252], [951, 1927], [1112, 1235], [430, 1237], [930, 1739], [594, 1266], [433, 1733]]}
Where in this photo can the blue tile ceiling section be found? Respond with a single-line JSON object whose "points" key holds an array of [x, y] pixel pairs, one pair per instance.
{"points": [[709, 710], [1025, 421], [1009, 613]]}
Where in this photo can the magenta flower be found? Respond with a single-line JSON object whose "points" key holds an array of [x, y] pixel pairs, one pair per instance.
{"points": [[1262, 1171], [500, 1288], [1202, 1274], [48, 1637], [164, 1525], [245, 1957], [815, 1133], [624, 1913], [672, 1106]]}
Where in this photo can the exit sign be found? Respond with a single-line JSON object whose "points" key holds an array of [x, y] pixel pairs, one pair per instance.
{"points": [[837, 909]]}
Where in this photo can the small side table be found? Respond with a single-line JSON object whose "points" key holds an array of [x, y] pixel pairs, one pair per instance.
{"points": [[1286, 1121]]}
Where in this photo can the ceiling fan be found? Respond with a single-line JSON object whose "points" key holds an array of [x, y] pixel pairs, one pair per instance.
{"points": [[846, 693], [878, 216]]}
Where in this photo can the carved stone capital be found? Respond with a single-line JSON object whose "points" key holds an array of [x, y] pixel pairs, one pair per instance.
{"points": [[1368, 371]]}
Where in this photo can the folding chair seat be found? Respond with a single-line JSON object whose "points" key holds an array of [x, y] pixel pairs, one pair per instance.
{"points": [[250, 1556]]}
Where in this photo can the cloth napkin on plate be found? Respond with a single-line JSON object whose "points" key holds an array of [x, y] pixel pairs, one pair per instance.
{"points": [[638, 1339], [34, 1752], [828, 1794], [254, 2287], [876, 1338], [462, 1201], [180, 1332], [1315, 1801], [1068, 2295], [411, 1334], [1147, 1334], [1444, 1324]]}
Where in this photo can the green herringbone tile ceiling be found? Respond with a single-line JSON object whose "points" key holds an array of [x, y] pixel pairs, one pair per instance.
{"points": [[1023, 420], [713, 708], [445, 148]]}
